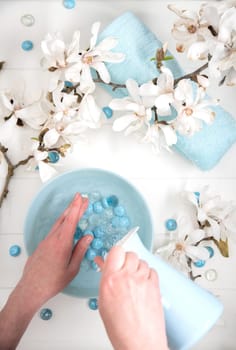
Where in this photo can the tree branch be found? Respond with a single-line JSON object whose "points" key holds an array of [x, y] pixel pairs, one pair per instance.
{"points": [[191, 75]]}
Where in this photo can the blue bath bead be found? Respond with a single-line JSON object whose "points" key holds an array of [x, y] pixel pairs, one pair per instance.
{"points": [[171, 224], [119, 210], [46, 314], [97, 243], [83, 224], [88, 232], [98, 207], [112, 201], [89, 210], [115, 222], [69, 4], [108, 213], [104, 203], [108, 112], [27, 45], [124, 221], [98, 232], [78, 233], [90, 254], [210, 250], [94, 196], [53, 157], [93, 304], [94, 266], [68, 84], [103, 252], [15, 250], [199, 263]]}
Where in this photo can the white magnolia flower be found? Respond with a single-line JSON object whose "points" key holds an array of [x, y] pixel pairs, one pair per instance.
{"points": [[192, 108], [162, 92], [94, 57], [3, 171], [217, 216], [14, 106], [160, 136], [138, 110], [182, 247], [69, 117]]}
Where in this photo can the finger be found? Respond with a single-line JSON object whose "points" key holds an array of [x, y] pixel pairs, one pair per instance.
{"points": [[131, 262], [99, 261], [79, 252], [153, 276], [143, 269], [61, 218], [115, 260], [68, 227]]}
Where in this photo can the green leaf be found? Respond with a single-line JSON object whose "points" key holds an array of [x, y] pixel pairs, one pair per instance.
{"points": [[168, 58], [153, 59], [223, 247]]}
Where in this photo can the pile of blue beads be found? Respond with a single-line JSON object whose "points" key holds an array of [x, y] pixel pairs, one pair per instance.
{"points": [[106, 220]]}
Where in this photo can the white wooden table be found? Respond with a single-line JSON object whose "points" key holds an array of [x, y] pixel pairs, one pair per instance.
{"points": [[159, 179]]}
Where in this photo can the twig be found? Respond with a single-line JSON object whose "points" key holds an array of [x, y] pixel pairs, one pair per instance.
{"points": [[191, 75], [10, 171], [113, 85], [192, 277]]}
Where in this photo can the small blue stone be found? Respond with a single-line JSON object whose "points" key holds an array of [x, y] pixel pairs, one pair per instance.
{"points": [[112, 201], [115, 222], [78, 233], [68, 84], [124, 221], [27, 45], [119, 210], [89, 210], [98, 232], [46, 314], [98, 207], [15, 250], [93, 304], [171, 224], [210, 250], [90, 254], [199, 263], [104, 203], [103, 252], [69, 4], [53, 157], [97, 243], [94, 266], [108, 112]]}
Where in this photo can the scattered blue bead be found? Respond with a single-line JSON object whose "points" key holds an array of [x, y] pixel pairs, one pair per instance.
{"points": [[210, 250], [119, 210], [68, 84], [97, 243], [83, 224], [108, 112], [15, 250], [98, 232], [69, 4], [115, 222], [93, 304], [197, 195], [98, 207], [89, 210], [199, 263], [104, 203], [46, 314], [171, 224], [124, 221], [94, 196], [27, 45], [53, 157], [112, 201], [103, 252], [78, 233], [90, 254]]}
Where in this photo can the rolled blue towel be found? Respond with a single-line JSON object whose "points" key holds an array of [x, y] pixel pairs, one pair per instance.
{"points": [[206, 147]]}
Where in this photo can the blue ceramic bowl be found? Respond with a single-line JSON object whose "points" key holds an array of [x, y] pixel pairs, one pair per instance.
{"points": [[55, 196]]}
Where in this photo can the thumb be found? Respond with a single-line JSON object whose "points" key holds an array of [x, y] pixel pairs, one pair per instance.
{"points": [[79, 252]]}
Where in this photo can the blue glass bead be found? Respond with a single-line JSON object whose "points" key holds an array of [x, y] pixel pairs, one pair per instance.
{"points": [[115, 221], [68, 84], [78, 233], [119, 210], [112, 201], [94, 219], [89, 210], [199, 263], [98, 232], [94, 196], [90, 254], [94, 266], [53, 157], [88, 232], [108, 112], [124, 221], [97, 243], [197, 195], [103, 252], [97, 207], [27, 45], [93, 304], [15, 250], [104, 202], [83, 224], [46, 314], [69, 4], [108, 213], [210, 250], [171, 224]]}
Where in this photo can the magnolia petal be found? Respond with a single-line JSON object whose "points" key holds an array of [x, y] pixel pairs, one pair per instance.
{"points": [[3, 172], [123, 122], [32, 115], [51, 137], [86, 81], [149, 89], [113, 57], [94, 31], [198, 51], [6, 101], [46, 172], [133, 89], [107, 44], [197, 253], [169, 134], [134, 127], [119, 104], [90, 112], [102, 71], [196, 236], [74, 47], [73, 73], [163, 104]]}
